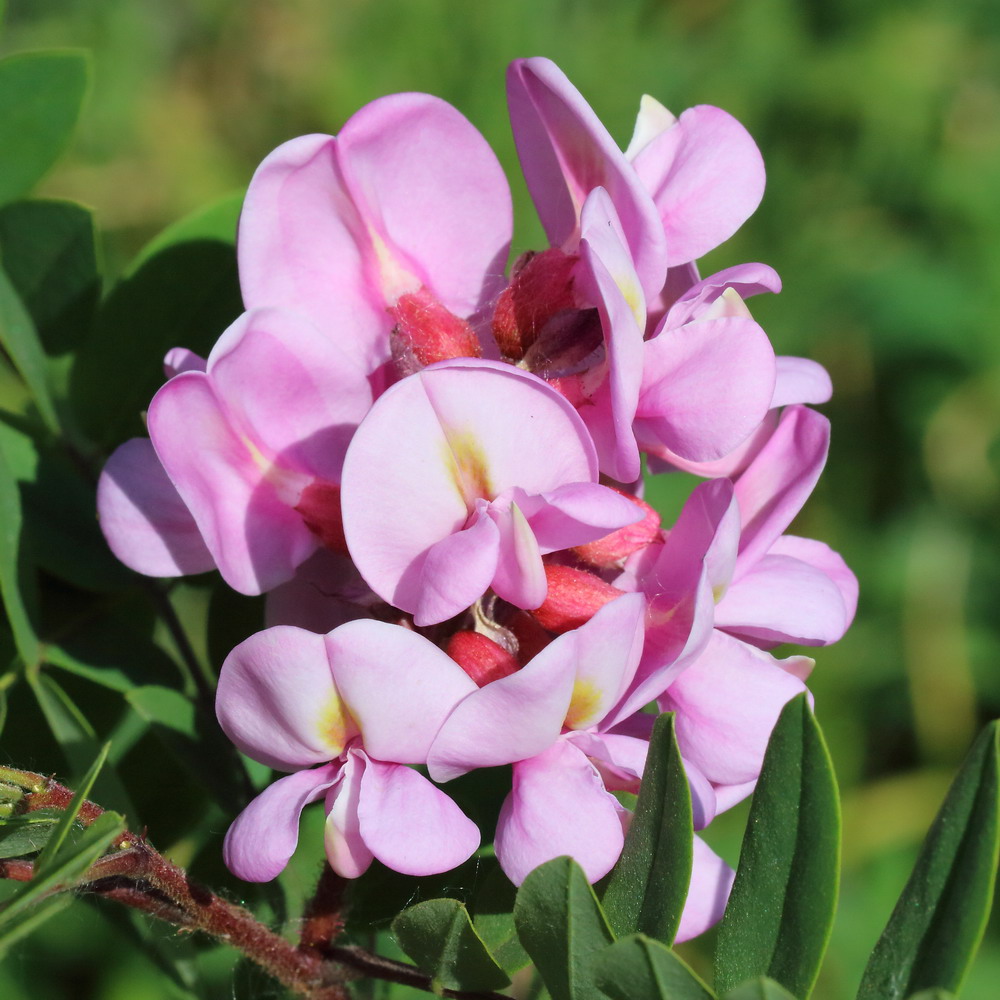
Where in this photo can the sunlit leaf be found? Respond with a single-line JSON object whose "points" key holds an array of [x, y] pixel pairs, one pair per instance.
{"points": [[778, 919], [648, 885], [562, 927], [759, 989], [639, 968], [937, 924], [40, 98], [438, 935]]}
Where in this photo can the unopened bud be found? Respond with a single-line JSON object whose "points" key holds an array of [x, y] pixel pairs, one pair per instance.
{"points": [[612, 550], [574, 596], [319, 507], [531, 637], [539, 288], [426, 332], [480, 657]]}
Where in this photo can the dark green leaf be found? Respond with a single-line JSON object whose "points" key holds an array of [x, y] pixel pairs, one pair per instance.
{"points": [[639, 968], [15, 930], [778, 919], [40, 98], [47, 249], [185, 295], [493, 918], [19, 339], [932, 995], [69, 865], [561, 925], [28, 833], [216, 221], [759, 989], [16, 575], [648, 886], [195, 739], [438, 935], [937, 924], [68, 818]]}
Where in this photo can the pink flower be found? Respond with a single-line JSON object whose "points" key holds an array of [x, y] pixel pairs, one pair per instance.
{"points": [[251, 448], [408, 200], [362, 702], [460, 478]]}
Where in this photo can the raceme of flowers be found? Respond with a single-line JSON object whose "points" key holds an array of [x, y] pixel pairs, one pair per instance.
{"points": [[432, 468]]}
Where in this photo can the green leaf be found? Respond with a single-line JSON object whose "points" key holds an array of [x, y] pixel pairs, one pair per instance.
{"points": [[648, 885], [493, 918], [778, 919], [216, 221], [40, 98], [932, 995], [185, 295], [16, 930], [28, 833], [561, 925], [937, 924], [759, 989], [196, 741], [66, 869], [639, 968], [20, 340], [438, 935], [16, 576], [48, 251], [68, 818]]}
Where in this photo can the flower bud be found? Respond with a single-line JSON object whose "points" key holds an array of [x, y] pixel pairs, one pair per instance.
{"points": [[480, 657], [319, 507], [541, 286], [612, 550], [426, 332], [574, 596]]}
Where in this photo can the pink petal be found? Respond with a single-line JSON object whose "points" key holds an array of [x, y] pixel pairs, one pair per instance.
{"points": [[180, 359], [800, 381], [242, 506], [727, 703], [711, 883], [745, 279], [346, 850], [299, 395], [565, 153], [398, 686], [558, 806], [608, 650], [430, 187], [144, 519], [520, 575], [263, 836], [706, 177], [277, 700], [706, 386], [509, 719], [411, 826], [823, 558], [609, 280], [564, 515], [778, 482], [436, 443], [454, 572], [783, 599], [301, 245]]}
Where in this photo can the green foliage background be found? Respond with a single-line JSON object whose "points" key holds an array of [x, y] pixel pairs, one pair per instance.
{"points": [[880, 127]]}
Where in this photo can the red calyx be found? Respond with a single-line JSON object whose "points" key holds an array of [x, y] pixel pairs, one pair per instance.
{"points": [[540, 287], [573, 598], [426, 332], [319, 507], [612, 550], [480, 657]]}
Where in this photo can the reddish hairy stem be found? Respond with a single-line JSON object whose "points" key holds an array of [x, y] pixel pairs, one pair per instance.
{"points": [[139, 876]]}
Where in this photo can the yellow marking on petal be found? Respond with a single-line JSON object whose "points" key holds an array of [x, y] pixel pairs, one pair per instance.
{"points": [[288, 485], [719, 591], [468, 466], [336, 724], [633, 296], [395, 279], [728, 304], [584, 704]]}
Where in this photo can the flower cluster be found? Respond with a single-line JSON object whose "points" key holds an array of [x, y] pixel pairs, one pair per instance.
{"points": [[432, 468]]}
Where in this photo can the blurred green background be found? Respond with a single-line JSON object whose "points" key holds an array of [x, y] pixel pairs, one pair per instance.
{"points": [[880, 127]]}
